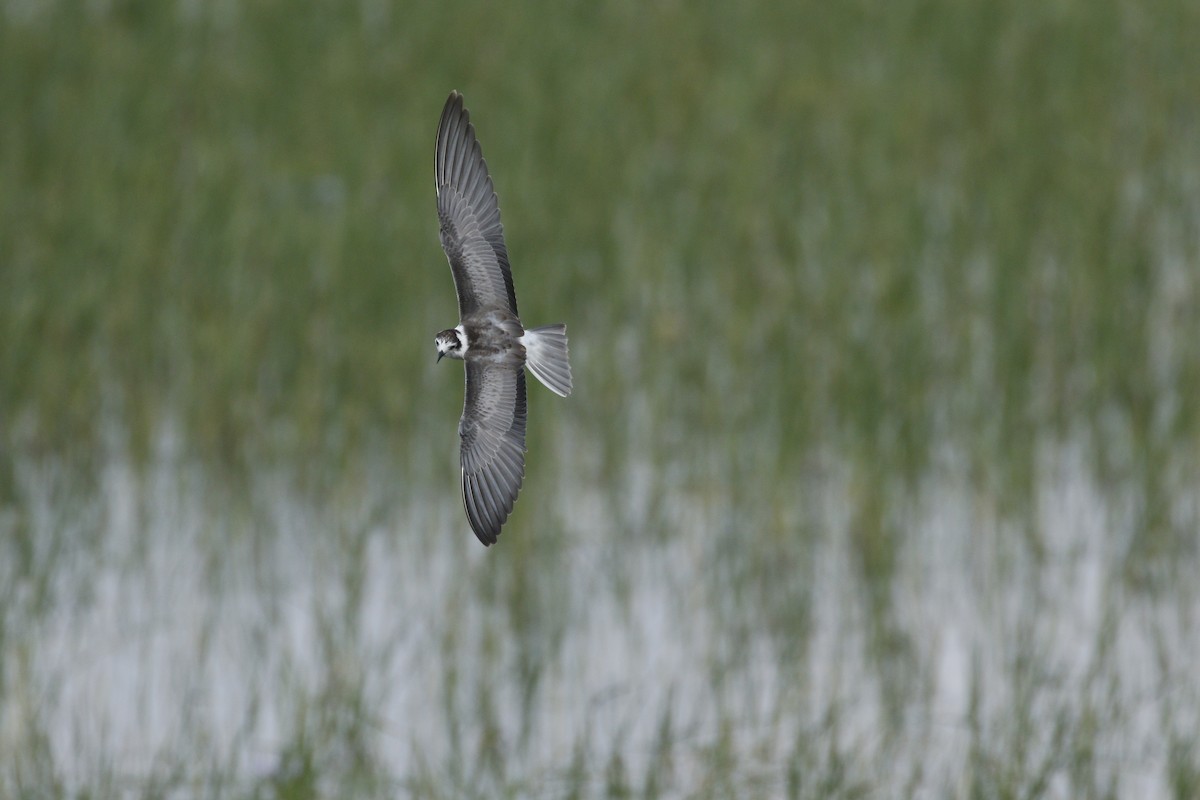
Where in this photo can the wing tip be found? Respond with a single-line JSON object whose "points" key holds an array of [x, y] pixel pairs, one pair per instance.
{"points": [[485, 530], [454, 117]]}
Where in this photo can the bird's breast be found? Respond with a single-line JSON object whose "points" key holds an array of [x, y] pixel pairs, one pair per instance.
{"points": [[494, 336]]}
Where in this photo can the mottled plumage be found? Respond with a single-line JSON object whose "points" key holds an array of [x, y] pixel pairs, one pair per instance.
{"points": [[489, 336]]}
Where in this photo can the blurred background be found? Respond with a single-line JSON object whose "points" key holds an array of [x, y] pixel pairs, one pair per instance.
{"points": [[879, 480]]}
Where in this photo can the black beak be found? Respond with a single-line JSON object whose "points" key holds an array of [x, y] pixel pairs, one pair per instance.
{"points": [[440, 354]]}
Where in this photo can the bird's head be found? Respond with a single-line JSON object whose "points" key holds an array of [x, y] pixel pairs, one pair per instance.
{"points": [[449, 343]]}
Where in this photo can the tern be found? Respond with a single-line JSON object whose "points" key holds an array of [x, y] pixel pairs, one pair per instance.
{"points": [[489, 337]]}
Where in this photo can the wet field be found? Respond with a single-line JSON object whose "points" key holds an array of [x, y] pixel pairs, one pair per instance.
{"points": [[879, 480]]}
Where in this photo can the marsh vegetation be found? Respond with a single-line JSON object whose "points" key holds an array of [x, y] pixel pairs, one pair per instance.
{"points": [[880, 478]]}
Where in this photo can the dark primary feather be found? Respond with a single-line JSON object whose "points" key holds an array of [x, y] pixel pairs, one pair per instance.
{"points": [[471, 233], [493, 445]]}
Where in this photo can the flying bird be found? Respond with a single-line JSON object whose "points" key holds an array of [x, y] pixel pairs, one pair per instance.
{"points": [[489, 336]]}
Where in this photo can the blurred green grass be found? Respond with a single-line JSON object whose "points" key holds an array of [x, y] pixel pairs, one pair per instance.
{"points": [[870, 227], [776, 231]]}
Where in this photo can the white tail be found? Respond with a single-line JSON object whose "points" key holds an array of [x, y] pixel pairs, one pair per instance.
{"points": [[547, 358]]}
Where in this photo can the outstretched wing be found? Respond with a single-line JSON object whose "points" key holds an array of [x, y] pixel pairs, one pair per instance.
{"points": [[493, 446], [472, 235]]}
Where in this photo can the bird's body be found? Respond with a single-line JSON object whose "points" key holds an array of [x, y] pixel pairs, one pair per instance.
{"points": [[489, 337]]}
